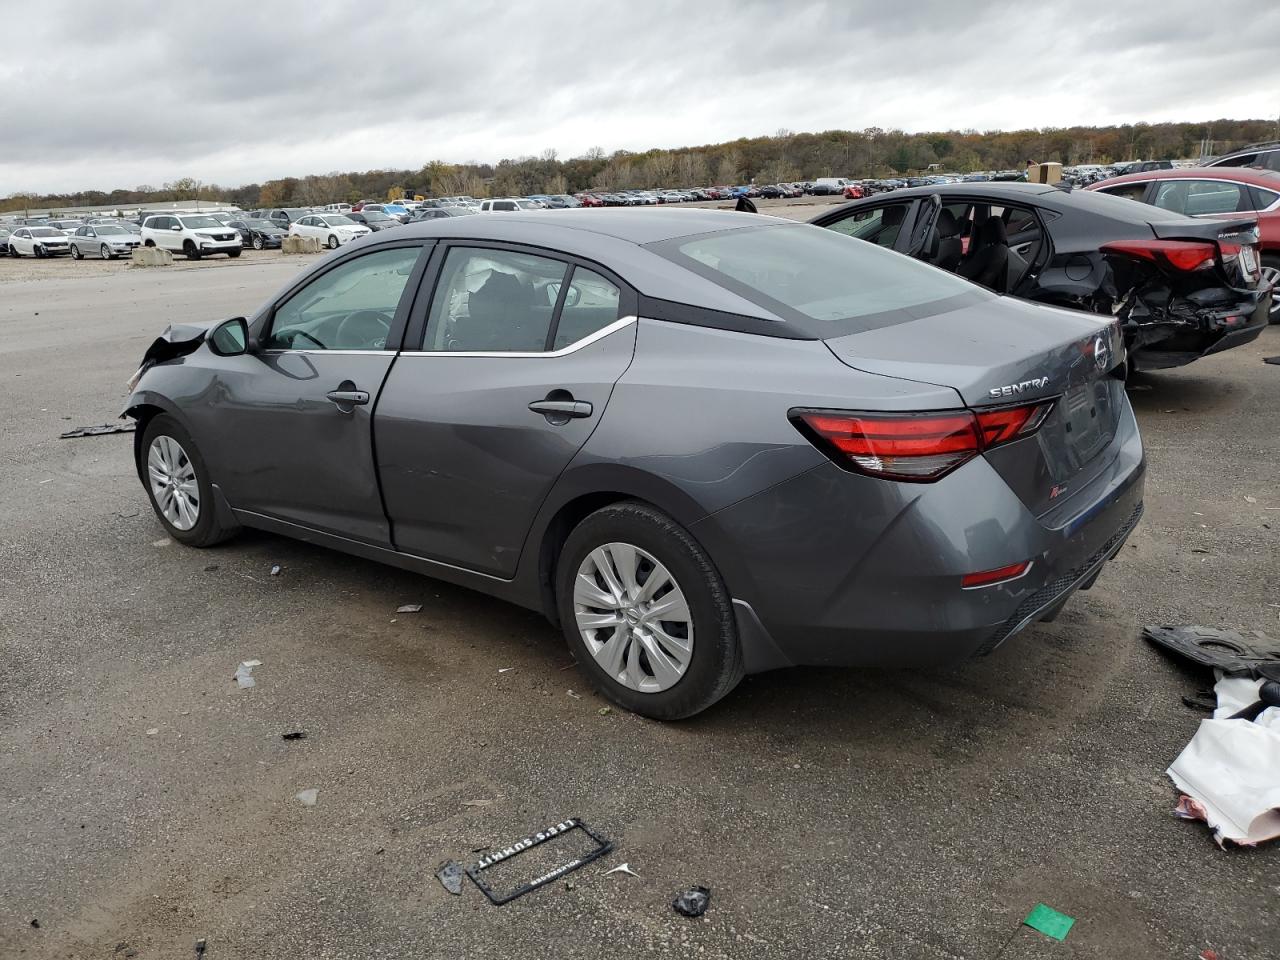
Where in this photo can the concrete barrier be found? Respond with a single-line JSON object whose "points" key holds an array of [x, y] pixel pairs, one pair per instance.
{"points": [[294, 244], [151, 257]]}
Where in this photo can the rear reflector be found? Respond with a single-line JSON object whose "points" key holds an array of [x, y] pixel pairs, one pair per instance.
{"points": [[919, 446], [1185, 255], [991, 577]]}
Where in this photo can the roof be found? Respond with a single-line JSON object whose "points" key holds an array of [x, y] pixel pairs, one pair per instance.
{"points": [[1004, 189], [638, 226], [1259, 178]]}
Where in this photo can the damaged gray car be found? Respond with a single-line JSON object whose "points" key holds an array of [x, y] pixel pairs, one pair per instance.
{"points": [[703, 443], [1181, 287]]}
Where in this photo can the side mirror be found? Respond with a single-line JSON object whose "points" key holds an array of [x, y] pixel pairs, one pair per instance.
{"points": [[176, 229], [230, 338]]}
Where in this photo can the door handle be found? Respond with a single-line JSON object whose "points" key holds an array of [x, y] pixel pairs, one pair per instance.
{"points": [[345, 397], [561, 409]]}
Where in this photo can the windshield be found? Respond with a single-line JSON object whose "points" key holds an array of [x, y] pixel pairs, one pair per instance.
{"points": [[262, 225], [338, 220], [45, 232], [814, 273], [527, 205], [199, 223], [375, 215], [106, 230]]}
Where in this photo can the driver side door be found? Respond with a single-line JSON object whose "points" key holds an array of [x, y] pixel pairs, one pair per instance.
{"points": [[294, 416]]}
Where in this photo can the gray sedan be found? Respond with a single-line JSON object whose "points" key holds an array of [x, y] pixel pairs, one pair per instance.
{"points": [[702, 443], [104, 240]]}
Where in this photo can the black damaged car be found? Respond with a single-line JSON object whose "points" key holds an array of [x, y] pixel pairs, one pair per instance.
{"points": [[1182, 287], [259, 234]]}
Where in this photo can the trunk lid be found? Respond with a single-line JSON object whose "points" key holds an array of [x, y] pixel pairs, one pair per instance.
{"points": [[1004, 352]]}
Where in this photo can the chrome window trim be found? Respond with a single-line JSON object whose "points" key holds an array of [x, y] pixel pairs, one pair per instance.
{"points": [[278, 351], [577, 345]]}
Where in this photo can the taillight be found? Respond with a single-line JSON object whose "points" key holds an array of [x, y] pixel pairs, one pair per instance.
{"points": [[1185, 255], [919, 447]]}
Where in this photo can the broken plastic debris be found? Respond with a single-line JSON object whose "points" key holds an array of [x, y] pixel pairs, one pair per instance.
{"points": [[693, 902], [476, 803], [308, 797], [1049, 922], [623, 868], [275, 569], [294, 735], [124, 426], [409, 608], [505, 669], [244, 673], [574, 695], [153, 731], [200, 947], [604, 711], [450, 876], [165, 542], [1225, 650]]}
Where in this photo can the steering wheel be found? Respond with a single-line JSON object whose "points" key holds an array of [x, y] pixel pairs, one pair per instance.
{"points": [[368, 328]]}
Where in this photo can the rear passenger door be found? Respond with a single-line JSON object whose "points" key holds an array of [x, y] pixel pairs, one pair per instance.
{"points": [[514, 364]]}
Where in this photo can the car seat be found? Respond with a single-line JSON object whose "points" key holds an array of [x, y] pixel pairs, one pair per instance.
{"points": [[988, 258], [948, 248]]}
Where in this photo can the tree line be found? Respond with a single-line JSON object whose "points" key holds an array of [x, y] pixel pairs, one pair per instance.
{"points": [[784, 156]]}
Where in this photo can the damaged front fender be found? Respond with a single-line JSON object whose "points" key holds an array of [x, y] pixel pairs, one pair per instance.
{"points": [[178, 340]]}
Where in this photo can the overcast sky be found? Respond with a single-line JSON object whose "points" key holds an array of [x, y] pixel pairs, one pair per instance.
{"points": [[104, 95]]}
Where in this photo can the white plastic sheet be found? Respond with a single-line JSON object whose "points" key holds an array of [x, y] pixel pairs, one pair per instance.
{"points": [[1230, 771]]}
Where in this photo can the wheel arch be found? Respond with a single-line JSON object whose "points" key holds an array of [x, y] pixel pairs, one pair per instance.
{"points": [[580, 494]]}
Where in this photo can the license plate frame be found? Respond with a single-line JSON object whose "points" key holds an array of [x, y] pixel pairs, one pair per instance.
{"points": [[1248, 261], [476, 870]]}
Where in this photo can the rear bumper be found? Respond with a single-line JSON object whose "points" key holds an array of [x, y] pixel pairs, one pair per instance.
{"points": [[833, 568], [1221, 330]]}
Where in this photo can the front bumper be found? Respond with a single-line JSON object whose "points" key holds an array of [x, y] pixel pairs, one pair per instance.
{"points": [[833, 568]]}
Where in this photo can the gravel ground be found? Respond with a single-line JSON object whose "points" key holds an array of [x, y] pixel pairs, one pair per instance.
{"points": [[146, 802]]}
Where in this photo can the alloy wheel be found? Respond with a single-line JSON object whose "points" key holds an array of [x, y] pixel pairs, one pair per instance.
{"points": [[173, 482], [104, 252], [633, 617], [1271, 275]]}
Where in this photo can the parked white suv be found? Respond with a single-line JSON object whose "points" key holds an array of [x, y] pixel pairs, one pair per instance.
{"points": [[508, 205], [193, 234]]}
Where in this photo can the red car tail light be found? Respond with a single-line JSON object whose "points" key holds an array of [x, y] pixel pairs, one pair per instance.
{"points": [[919, 447], [989, 578], [1185, 255]]}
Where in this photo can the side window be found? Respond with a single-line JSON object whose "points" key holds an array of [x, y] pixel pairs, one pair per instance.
{"points": [[504, 205], [494, 300], [350, 307], [880, 225], [590, 304], [1215, 196], [1130, 191], [1263, 198]]}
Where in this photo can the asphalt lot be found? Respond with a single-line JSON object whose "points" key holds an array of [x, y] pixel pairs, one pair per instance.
{"points": [[146, 802]]}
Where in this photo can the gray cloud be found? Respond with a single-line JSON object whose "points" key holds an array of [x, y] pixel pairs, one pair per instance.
{"points": [[108, 95]]}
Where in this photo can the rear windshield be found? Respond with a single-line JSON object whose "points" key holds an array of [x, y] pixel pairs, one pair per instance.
{"points": [[805, 273], [1121, 208]]}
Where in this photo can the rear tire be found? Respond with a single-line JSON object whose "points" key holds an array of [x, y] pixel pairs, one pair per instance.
{"points": [[1271, 271], [705, 650], [168, 451]]}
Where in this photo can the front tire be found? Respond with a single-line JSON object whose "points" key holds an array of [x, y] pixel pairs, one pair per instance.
{"points": [[189, 248], [233, 253], [646, 614], [39, 251], [258, 243], [105, 252], [333, 242], [178, 485]]}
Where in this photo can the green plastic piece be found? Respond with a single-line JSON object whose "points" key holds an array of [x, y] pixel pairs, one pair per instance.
{"points": [[1049, 922]]}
